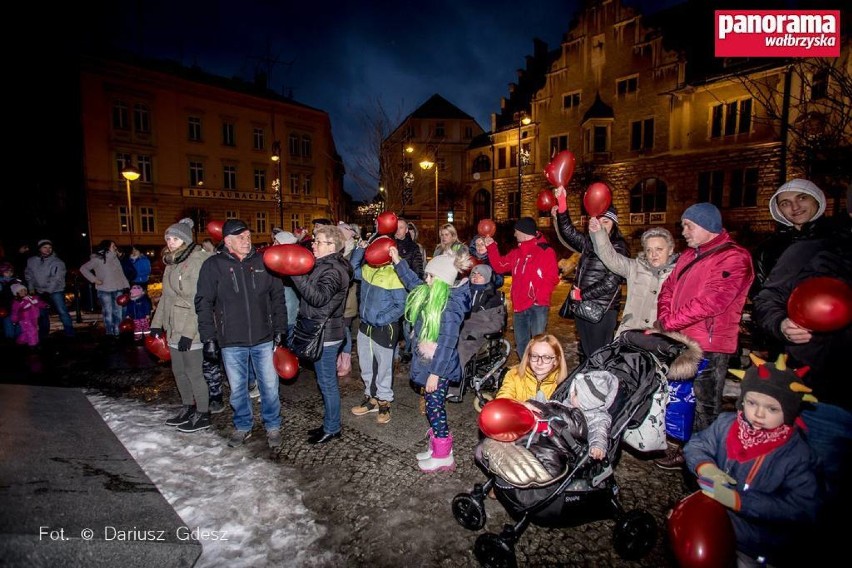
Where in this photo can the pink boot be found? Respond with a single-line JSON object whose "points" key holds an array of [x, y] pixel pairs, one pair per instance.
{"points": [[442, 456], [427, 453]]}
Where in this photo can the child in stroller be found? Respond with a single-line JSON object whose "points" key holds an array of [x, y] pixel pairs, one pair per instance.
{"points": [[573, 489]]}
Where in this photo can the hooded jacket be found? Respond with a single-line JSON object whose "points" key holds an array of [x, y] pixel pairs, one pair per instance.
{"points": [[323, 291], [108, 270], [534, 272], [524, 387], [382, 300], [176, 310], [45, 274]]}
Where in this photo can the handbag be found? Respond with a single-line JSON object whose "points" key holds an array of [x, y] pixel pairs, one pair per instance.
{"points": [[308, 338], [587, 310], [650, 435]]}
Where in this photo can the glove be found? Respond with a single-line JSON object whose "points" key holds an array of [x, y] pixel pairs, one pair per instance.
{"points": [[279, 339], [712, 472], [211, 351], [157, 332], [184, 343], [724, 495]]}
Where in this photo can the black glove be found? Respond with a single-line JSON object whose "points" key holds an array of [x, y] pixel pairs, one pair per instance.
{"points": [[184, 343], [157, 332], [280, 339], [211, 351]]}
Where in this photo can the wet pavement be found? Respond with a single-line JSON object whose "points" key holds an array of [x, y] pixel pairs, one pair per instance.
{"points": [[365, 487]]}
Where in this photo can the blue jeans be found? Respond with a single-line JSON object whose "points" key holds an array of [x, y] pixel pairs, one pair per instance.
{"points": [[528, 324], [111, 310], [326, 371], [10, 330], [57, 300], [236, 361]]}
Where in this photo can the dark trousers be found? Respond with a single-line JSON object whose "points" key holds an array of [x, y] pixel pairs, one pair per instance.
{"points": [[708, 387], [593, 336]]}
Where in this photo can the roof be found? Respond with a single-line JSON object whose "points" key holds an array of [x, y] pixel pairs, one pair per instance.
{"points": [[439, 107], [599, 109]]}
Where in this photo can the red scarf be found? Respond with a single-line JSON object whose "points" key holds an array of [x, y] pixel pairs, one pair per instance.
{"points": [[745, 442]]}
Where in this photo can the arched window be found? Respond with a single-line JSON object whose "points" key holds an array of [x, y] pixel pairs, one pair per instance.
{"points": [[648, 196], [481, 164], [481, 205]]}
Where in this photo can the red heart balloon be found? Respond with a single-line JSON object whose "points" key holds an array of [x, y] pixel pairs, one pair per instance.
{"points": [[290, 260], [545, 201], [377, 253], [122, 299], [821, 303], [215, 229], [505, 419], [286, 363], [701, 534], [597, 199], [560, 169], [486, 228], [386, 223], [4, 313], [158, 346], [126, 326]]}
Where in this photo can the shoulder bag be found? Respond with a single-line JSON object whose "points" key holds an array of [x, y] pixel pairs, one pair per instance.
{"points": [[587, 310], [308, 338]]}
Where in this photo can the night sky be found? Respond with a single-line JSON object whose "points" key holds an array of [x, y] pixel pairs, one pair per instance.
{"points": [[348, 60]]}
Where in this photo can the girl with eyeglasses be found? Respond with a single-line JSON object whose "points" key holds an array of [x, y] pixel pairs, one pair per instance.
{"points": [[541, 370]]}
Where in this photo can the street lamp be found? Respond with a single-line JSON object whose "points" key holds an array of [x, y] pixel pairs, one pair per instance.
{"points": [[130, 173], [426, 164], [276, 184], [523, 120]]}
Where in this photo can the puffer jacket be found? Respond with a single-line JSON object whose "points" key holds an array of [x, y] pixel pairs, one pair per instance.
{"points": [[45, 274], [706, 302], [768, 252], [176, 310], [239, 302], [445, 361], [534, 272], [643, 282], [523, 388], [108, 270], [323, 291], [382, 300], [596, 282]]}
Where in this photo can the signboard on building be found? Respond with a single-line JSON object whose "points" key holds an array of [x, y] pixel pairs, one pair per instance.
{"points": [[206, 193]]}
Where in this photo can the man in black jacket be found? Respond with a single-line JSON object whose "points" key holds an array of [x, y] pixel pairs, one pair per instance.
{"points": [[241, 318]]}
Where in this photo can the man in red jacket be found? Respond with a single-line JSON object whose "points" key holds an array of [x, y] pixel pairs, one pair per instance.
{"points": [[703, 298], [534, 276]]}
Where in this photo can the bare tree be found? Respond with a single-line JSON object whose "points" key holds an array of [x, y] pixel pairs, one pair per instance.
{"points": [[371, 166]]}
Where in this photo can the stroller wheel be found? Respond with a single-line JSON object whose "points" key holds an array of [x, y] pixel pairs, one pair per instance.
{"points": [[481, 399], [469, 512], [634, 535], [493, 551]]}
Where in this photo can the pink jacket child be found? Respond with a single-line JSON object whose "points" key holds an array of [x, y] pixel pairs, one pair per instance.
{"points": [[25, 311]]}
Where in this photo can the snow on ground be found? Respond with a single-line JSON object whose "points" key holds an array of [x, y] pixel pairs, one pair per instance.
{"points": [[219, 488]]}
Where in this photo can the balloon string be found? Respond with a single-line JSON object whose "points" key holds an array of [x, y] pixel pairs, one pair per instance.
{"points": [[542, 426]]}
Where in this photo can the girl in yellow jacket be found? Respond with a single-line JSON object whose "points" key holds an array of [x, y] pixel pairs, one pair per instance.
{"points": [[541, 370]]}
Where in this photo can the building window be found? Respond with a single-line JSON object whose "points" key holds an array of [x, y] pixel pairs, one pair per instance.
{"points": [[648, 196], [710, 187], [440, 130], [146, 219], [819, 85], [307, 147], [145, 169], [141, 119], [481, 164], [558, 143], [121, 160], [120, 118], [481, 205], [468, 132], [513, 203], [196, 174], [259, 179], [123, 220], [642, 135], [257, 139], [229, 138], [597, 139], [294, 145], [294, 184], [229, 177], [626, 86], [194, 126], [260, 222], [571, 100], [744, 187], [232, 214], [501, 158], [307, 185], [294, 222], [513, 156], [728, 119]]}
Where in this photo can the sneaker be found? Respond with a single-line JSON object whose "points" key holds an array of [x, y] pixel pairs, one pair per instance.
{"points": [[198, 421], [673, 460], [238, 438], [216, 406], [384, 412], [254, 392], [369, 405], [273, 438], [184, 415]]}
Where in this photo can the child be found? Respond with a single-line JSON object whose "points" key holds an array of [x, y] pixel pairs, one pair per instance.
{"points": [[7, 280], [479, 251], [139, 310], [487, 313], [436, 308], [25, 312], [756, 463], [544, 368]]}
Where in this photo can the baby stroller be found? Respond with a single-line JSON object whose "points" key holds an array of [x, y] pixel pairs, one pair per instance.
{"points": [[583, 490]]}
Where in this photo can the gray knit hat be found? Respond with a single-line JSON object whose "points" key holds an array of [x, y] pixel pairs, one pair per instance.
{"points": [[799, 186], [181, 230], [443, 267], [595, 389], [483, 270]]}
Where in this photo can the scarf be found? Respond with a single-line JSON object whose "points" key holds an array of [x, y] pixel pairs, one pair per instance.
{"points": [[745, 442], [179, 255]]}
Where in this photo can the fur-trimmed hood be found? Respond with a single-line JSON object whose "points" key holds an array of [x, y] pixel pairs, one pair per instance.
{"points": [[686, 365]]}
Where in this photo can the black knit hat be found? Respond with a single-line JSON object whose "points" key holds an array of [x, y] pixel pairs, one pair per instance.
{"points": [[526, 225], [777, 381], [233, 227]]}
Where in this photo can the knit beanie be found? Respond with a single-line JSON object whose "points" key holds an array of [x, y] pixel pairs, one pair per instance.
{"points": [[799, 186], [705, 215], [526, 225], [777, 381], [43, 242], [284, 238], [233, 227], [443, 267], [15, 288], [483, 270], [595, 389], [612, 214], [181, 230]]}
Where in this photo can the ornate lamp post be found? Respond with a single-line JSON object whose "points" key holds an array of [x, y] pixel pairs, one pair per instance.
{"points": [[523, 120], [426, 165], [130, 173], [276, 183]]}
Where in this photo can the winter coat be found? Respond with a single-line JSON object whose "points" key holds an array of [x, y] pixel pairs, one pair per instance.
{"points": [[382, 300], [706, 302], [445, 361], [239, 303], [534, 272], [176, 310], [25, 312], [108, 270], [596, 282], [487, 315], [643, 282], [768, 252], [523, 388], [779, 492], [350, 309], [410, 251], [141, 307], [45, 274], [323, 291], [143, 269]]}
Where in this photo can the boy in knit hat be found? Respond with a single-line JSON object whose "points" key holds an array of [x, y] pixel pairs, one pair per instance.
{"points": [[756, 463]]}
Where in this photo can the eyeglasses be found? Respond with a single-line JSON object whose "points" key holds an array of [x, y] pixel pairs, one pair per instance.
{"points": [[323, 242], [543, 358]]}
